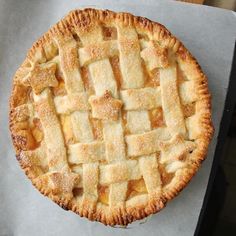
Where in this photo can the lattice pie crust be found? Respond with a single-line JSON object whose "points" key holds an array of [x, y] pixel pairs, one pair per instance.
{"points": [[110, 115]]}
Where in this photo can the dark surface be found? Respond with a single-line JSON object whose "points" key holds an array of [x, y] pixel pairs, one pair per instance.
{"points": [[218, 214]]}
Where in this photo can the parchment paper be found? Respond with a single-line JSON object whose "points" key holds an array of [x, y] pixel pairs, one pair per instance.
{"points": [[209, 33]]}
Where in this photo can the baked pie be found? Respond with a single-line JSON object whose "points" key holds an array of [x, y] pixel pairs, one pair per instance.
{"points": [[110, 115]]}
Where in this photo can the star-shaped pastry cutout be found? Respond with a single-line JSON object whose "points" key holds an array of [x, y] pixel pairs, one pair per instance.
{"points": [[155, 56], [105, 107], [63, 183], [42, 77], [175, 149]]}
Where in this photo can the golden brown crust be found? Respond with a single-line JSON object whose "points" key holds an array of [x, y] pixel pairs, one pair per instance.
{"points": [[44, 49]]}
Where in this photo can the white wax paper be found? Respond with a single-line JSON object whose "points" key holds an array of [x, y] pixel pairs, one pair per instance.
{"points": [[209, 33]]}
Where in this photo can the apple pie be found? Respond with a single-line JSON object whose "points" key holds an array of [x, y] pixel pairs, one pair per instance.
{"points": [[110, 115]]}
